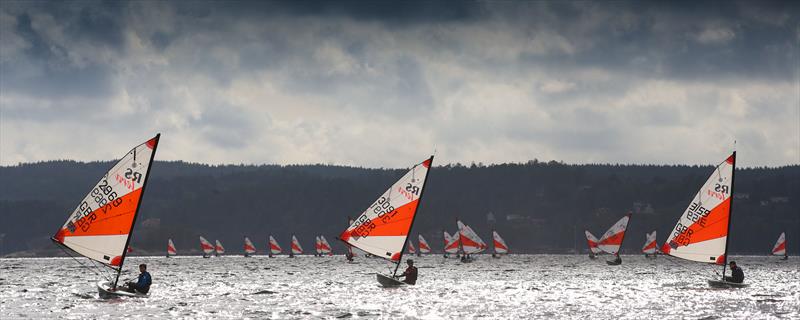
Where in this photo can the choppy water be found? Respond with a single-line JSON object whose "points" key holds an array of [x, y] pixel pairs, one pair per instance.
{"points": [[519, 286]]}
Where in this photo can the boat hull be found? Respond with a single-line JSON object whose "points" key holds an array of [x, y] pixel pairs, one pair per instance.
{"points": [[389, 282], [105, 291], [614, 263], [725, 284]]}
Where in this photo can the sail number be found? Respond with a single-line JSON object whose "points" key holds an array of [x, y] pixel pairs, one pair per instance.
{"points": [[104, 196]]}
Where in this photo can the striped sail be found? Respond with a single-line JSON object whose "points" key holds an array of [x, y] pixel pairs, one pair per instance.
{"points": [[411, 249], [780, 247], [219, 248], [274, 247], [612, 239], [171, 248], [325, 247], [702, 230], [382, 229], [99, 228], [423, 245], [593, 242], [650, 243], [451, 243], [296, 248], [206, 246], [249, 248], [499, 244], [470, 241], [318, 245]]}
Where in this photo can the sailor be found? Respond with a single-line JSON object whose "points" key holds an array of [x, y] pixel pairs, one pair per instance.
{"points": [[142, 285], [411, 273], [737, 276]]}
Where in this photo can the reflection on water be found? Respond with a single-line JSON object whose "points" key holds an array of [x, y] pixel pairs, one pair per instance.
{"points": [[522, 286]]}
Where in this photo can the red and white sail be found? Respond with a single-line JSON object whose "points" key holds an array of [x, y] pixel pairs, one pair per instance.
{"points": [[593, 242], [500, 246], [612, 239], [206, 246], [296, 248], [423, 245], [219, 248], [249, 248], [171, 248], [411, 249], [650, 243], [100, 226], [470, 241], [780, 247], [274, 247], [325, 247], [382, 229], [701, 232], [318, 245], [451, 243]]}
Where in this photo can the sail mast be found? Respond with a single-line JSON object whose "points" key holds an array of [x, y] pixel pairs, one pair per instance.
{"points": [[414, 217], [730, 211], [138, 206]]}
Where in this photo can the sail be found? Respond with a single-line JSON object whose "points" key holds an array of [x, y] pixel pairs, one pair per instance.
{"points": [[318, 245], [99, 228], [382, 229], [325, 247], [499, 244], [470, 241], [296, 248], [219, 248], [593, 242], [249, 248], [411, 249], [207, 247], [780, 247], [423, 245], [171, 248], [650, 244], [451, 244], [702, 231], [274, 247], [612, 239]]}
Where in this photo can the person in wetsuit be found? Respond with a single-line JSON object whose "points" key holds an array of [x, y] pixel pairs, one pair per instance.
{"points": [[411, 273], [142, 285], [737, 275]]}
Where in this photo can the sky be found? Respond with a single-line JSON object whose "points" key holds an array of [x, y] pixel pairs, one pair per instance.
{"points": [[386, 84]]}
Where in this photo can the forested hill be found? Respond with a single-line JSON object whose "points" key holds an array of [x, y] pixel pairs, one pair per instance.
{"points": [[537, 207]]}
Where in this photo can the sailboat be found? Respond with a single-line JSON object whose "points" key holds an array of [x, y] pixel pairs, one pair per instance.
{"points": [[451, 243], [220, 250], [701, 233], [274, 247], [296, 248], [649, 248], [171, 249], [612, 239], [780, 247], [318, 247], [500, 246], [207, 247], [383, 228], [249, 248], [100, 227], [594, 250], [411, 249], [325, 247], [423, 246], [471, 243]]}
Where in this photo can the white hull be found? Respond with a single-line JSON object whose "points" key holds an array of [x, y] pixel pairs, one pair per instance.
{"points": [[105, 291]]}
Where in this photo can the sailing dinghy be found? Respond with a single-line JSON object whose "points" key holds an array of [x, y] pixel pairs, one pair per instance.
{"points": [[220, 250], [594, 250], [171, 249], [780, 247], [470, 242], [500, 246], [411, 250], [274, 247], [318, 247], [383, 228], [649, 248], [325, 247], [423, 246], [207, 247], [249, 248], [701, 233], [296, 248], [100, 227], [451, 243], [612, 239]]}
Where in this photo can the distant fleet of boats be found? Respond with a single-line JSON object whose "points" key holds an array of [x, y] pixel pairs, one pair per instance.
{"points": [[101, 226]]}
